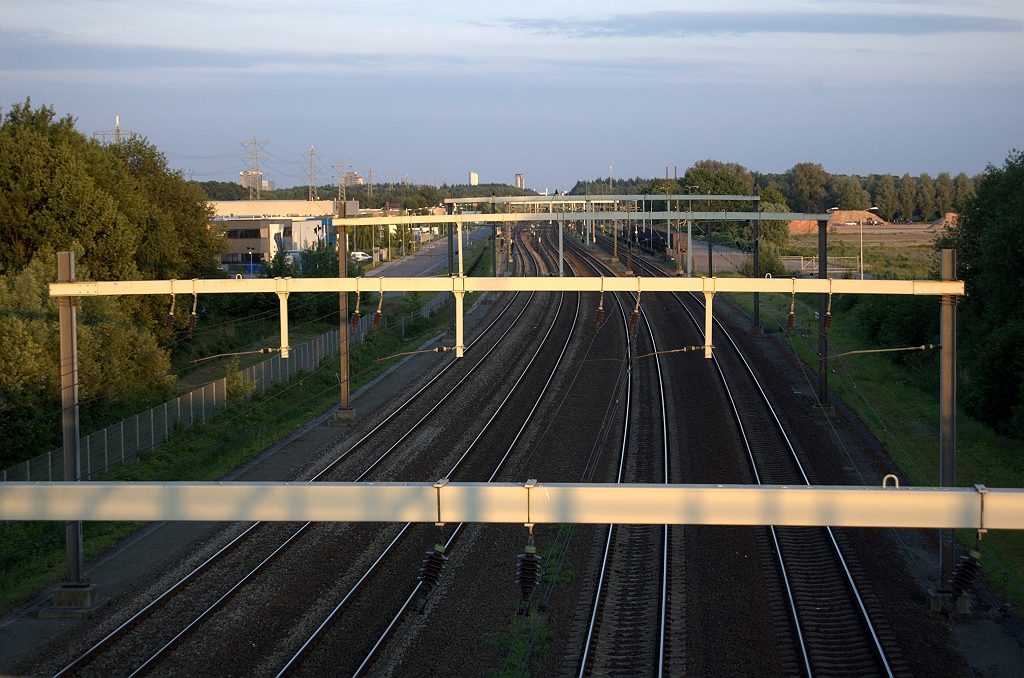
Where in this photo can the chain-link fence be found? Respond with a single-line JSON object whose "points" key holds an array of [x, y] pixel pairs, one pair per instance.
{"points": [[124, 440]]}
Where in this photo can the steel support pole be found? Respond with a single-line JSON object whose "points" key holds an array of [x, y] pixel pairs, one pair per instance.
{"points": [[757, 264], [344, 415], [451, 272], [494, 249], [689, 248], [561, 225], [69, 407], [947, 409], [711, 253], [822, 309]]}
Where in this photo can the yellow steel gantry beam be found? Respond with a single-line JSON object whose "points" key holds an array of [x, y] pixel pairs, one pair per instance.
{"points": [[838, 506], [461, 285]]}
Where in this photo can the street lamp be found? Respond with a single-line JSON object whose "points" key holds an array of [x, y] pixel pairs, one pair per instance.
{"points": [[249, 251], [861, 223]]}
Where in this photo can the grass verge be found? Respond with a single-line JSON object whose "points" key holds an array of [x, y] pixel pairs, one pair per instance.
{"points": [[901, 407], [34, 551]]}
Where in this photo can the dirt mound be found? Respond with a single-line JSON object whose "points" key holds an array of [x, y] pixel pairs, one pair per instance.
{"points": [[841, 218]]}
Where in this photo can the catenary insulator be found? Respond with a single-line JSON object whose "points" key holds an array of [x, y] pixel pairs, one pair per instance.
{"points": [[433, 565], [633, 321], [355, 321], [191, 324], [828, 321], [376, 321], [789, 322], [965, 573], [600, 317], [169, 322], [528, 571]]}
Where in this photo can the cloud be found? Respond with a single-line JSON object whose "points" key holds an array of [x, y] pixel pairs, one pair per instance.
{"points": [[670, 24]]}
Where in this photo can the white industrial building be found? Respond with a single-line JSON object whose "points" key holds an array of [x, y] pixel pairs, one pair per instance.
{"points": [[257, 230]]}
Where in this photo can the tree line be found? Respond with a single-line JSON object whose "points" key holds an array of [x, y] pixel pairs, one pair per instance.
{"points": [[905, 198], [127, 216]]}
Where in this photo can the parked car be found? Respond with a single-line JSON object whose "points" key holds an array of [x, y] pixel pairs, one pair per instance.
{"points": [[360, 257]]}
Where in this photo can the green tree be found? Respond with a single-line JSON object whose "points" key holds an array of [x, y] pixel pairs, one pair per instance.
{"points": [[886, 197], [733, 168], [806, 184], [849, 194], [990, 258], [126, 216], [774, 232], [908, 197], [945, 193], [926, 197], [964, 186]]}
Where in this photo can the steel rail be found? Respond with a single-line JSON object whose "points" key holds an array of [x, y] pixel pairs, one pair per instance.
{"points": [[152, 607], [588, 474], [662, 625], [397, 618], [865, 617]]}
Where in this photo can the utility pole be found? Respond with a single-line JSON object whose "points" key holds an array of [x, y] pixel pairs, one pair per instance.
{"points": [[345, 415], [255, 179], [947, 409], [76, 592]]}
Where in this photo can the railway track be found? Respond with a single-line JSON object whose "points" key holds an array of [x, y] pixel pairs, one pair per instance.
{"points": [[635, 617], [225, 571], [834, 632], [482, 459]]}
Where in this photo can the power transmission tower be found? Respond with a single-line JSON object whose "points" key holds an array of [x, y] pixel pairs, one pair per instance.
{"points": [[314, 165], [369, 182], [341, 179], [116, 132], [255, 179]]}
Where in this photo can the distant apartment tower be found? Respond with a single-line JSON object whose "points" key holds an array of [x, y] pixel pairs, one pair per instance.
{"points": [[250, 178], [353, 179], [474, 179], [520, 181]]}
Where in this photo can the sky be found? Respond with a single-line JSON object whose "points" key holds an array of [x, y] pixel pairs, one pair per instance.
{"points": [[558, 91]]}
